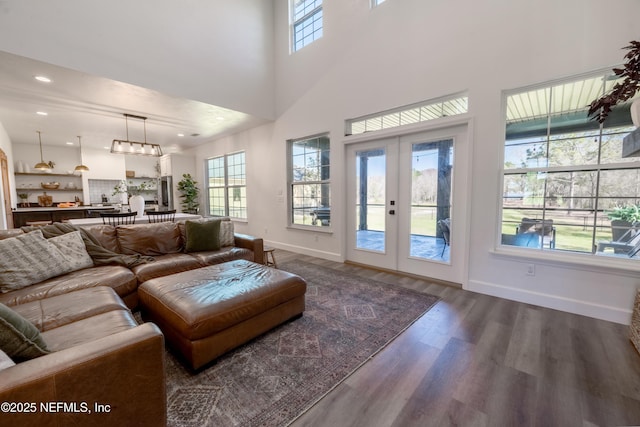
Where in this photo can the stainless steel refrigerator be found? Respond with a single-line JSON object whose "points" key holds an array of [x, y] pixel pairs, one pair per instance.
{"points": [[165, 193]]}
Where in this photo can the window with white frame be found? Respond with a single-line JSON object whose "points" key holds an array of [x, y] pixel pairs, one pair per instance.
{"points": [[306, 22], [375, 3], [227, 185], [564, 174], [309, 181], [415, 113]]}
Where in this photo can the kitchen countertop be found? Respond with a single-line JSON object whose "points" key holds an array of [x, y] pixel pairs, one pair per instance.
{"points": [[139, 219], [53, 208]]}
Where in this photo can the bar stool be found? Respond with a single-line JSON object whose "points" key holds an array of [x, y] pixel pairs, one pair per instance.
{"points": [[269, 253]]}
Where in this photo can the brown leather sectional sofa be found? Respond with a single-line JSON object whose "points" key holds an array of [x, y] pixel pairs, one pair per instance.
{"points": [[101, 355]]}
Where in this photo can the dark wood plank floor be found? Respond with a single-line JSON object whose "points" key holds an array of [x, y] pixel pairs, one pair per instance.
{"points": [[477, 360]]}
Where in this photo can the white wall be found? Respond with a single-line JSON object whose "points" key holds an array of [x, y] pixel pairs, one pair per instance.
{"points": [[408, 51], [5, 145], [215, 51], [64, 158]]}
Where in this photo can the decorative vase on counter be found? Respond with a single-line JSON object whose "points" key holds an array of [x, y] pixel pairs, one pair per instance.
{"points": [[136, 204]]}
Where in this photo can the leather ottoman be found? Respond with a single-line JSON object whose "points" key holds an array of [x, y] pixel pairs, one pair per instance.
{"points": [[208, 311]]}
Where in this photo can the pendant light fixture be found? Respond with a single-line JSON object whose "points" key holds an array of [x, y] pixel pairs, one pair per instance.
{"points": [[126, 146], [81, 168], [42, 165]]}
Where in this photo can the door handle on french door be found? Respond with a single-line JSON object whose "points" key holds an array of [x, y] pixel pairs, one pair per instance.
{"points": [[392, 212]]}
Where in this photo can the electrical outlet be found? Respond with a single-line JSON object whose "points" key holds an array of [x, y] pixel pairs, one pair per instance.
{"points": [[531, 270]]}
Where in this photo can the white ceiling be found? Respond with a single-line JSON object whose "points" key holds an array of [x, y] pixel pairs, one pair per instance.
{"points": [[78, 104]]}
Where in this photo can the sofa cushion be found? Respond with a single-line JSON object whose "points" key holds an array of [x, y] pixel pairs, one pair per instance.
{"points": [[149, 239], [225, 254], [12, 232], [29, 259], [50, 313], [72, 247], [202, 236], [226, 234], [165, 265], [121, 279], [89, 329], [19, 338], [225, 225], [105, 235]]}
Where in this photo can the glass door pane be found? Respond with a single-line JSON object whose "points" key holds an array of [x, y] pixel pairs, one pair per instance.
{"points": [[430, 223], [370, 199]]}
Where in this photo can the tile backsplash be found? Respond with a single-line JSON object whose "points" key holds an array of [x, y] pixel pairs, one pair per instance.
{"points": [[98, 187]]}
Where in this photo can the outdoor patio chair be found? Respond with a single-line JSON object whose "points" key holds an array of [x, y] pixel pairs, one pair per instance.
{"points": [[445, 227], [532, 228], [628, 245], [321, 215]]}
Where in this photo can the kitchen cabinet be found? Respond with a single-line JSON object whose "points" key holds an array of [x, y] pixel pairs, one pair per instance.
{"points": [[175, 165], [165, 165], [23, 215]]}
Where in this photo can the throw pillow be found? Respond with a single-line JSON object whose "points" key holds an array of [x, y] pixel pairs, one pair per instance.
{"points": [[19, 338], [202, 236], [226, 234], [72, 247], [29, 259], [5, 361]]}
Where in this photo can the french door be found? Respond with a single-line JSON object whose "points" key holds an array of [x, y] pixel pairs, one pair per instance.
{"points": [[406, 203]]}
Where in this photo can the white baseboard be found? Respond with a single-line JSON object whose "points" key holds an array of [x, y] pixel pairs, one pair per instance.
{"points": [[598, 311], [306, 251]]}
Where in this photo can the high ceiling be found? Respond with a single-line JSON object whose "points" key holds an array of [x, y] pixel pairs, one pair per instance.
{"points": [[78, 104]]}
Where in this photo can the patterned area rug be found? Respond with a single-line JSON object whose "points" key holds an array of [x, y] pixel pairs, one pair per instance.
{"points": [[273, 379]]}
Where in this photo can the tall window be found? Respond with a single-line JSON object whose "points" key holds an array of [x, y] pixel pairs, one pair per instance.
{"points": [[375, 3], [564, 173], [227, 186], [310, 185], [307, 22]]}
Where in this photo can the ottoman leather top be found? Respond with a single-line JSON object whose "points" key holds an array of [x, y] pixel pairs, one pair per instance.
{"points": [[201, 302]]}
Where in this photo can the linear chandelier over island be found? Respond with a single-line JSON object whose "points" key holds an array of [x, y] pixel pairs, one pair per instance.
{"points": [[122, 146]]}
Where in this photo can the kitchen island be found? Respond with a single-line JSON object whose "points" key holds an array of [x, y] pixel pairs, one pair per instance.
{"points": [[139, 219], [54, 214]]}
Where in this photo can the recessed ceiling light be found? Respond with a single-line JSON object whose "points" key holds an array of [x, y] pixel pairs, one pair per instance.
{"points": [[107, 148], [42, 113], [69, 143], [181, 134], [219, 118], [43, 79]]}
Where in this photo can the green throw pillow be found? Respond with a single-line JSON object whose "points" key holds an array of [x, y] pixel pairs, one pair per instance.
{"points": [[19, 338], [202, 236]]}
